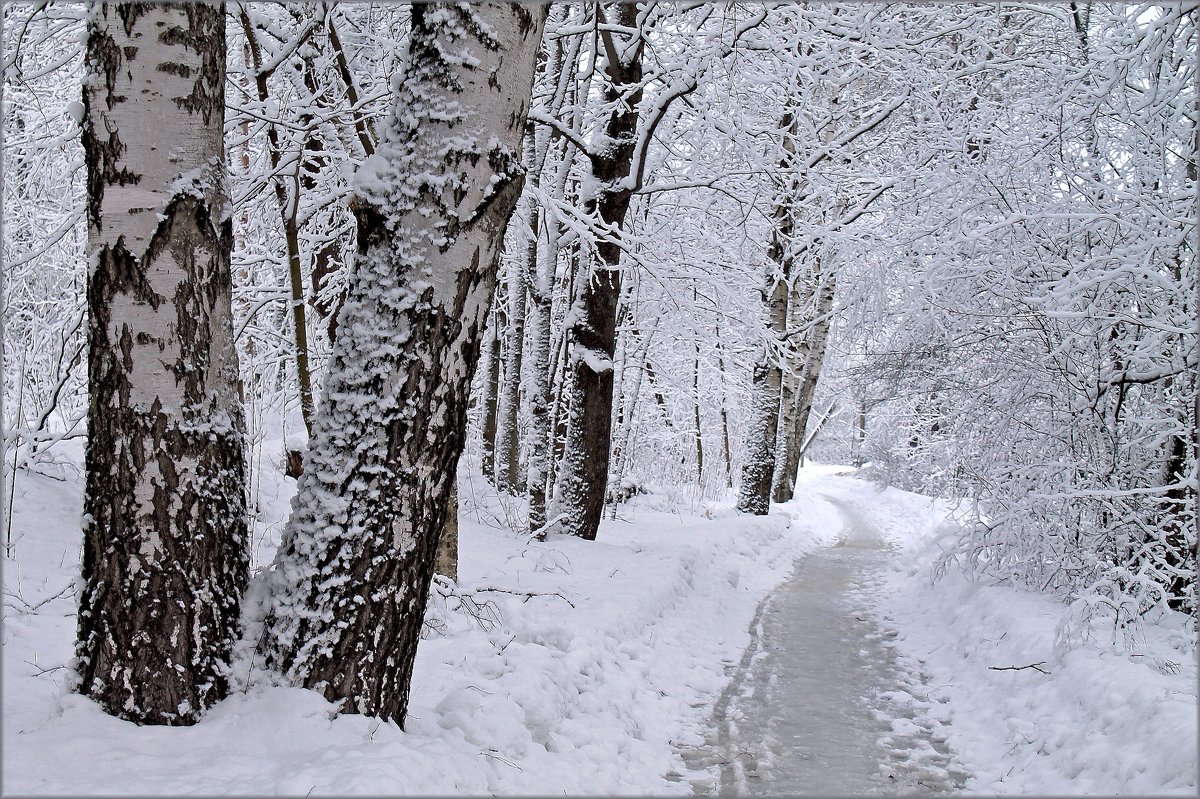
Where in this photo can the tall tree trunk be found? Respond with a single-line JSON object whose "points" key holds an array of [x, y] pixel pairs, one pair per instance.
{"points": [[559, 370], [541, 440], [508, 440], [491, 387], [726, 450], [351, 578], [758, 468], [623, 439], [4, 524], [583, 476], [696, 431], [165, 540], [801, 300]]}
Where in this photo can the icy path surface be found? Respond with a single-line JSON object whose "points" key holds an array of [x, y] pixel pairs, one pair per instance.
{"points": [[818, 703]]}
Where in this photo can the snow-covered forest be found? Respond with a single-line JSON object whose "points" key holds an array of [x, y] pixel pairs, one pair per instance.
{"points": [[586, 397]]}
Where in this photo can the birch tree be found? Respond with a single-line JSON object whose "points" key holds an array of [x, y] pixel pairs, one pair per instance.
{"points": [[164, 556], [351, 579]]}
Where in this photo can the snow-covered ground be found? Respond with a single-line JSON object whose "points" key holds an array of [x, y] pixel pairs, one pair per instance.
{"points": [[590, 667], [1093, 718]]}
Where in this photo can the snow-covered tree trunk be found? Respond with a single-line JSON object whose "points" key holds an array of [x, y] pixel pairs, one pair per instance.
{"points": [[508, 440], [351, 578], [798, 407], [762, 431], [758, 467], [164, 556], [583, 475], [487, 401], [541, 440]]}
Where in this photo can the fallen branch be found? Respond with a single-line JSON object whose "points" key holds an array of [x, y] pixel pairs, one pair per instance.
{"points": [[527, 594], [1034, 666]]}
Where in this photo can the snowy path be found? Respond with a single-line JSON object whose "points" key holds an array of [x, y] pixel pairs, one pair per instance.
{"points": [[811, 708]]}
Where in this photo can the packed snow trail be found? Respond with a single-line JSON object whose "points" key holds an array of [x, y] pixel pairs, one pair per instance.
{"points": [[812, 708]]}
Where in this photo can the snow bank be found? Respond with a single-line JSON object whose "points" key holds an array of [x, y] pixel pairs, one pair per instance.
{"points": [[586, 667], [1102, 720]]}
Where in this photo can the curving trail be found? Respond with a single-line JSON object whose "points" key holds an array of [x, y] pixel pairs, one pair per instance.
{"points": [[818, 704]]}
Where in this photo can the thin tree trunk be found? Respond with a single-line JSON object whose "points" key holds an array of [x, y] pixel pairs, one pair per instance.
{"points": [[696, 417], [508, 441], [491, 387], [351, 578], [541, 281], [559, 370], [165, 539], [541, 442], [622, 441], [289, 209], [860, 433], [4, 521], [725, 448], [541, 400]]}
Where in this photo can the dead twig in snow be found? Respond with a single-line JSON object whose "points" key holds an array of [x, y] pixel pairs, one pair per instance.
{"points": [[1034, 666], [527, 594]]}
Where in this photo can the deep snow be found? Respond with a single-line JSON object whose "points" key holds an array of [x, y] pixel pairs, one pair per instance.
{"points": [[593, 667]]}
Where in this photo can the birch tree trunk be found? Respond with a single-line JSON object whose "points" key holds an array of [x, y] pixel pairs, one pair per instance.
{"points": [[812, 372], [351, 578], [165, 541], [551, 158], [758, 468], [786, 445], [815, 323]]}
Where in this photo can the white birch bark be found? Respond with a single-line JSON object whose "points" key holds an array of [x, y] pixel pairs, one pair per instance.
{"points": [[164, 557]]}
